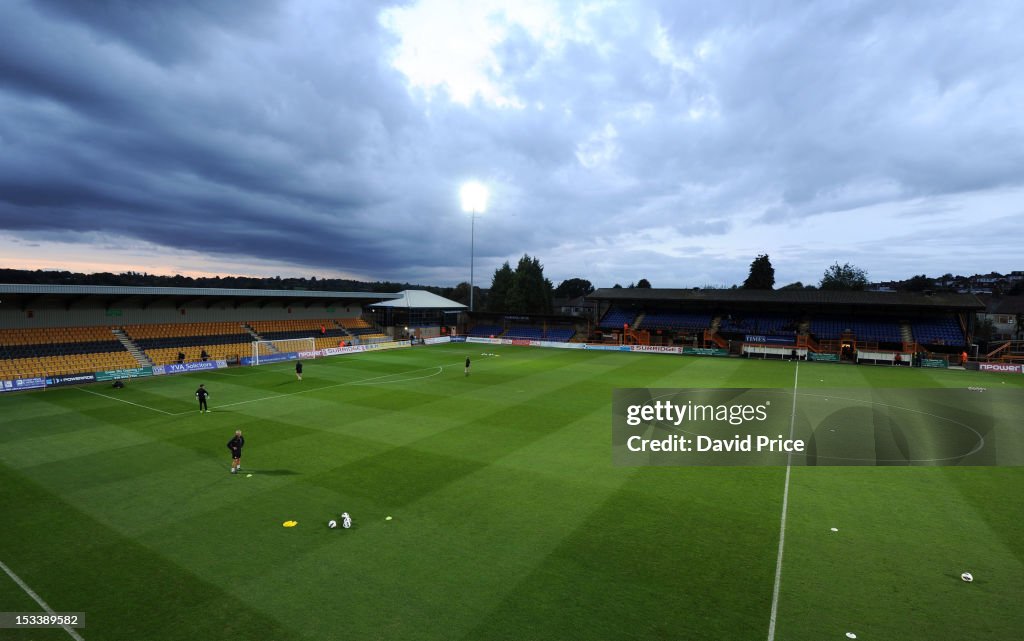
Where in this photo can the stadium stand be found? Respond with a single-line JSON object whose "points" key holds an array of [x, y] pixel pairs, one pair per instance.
{"points": [[525, 332], [616, 317], [675, 321], [177, 330], [60, 350], [881, 330], [326, 333], [561, 335], [484, 331], [361, 329], [940, 331], [163, 342], [286, 329], [760, 324]]}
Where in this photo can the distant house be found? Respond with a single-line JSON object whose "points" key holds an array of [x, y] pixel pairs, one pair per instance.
{"points": [[880, 287], [574, 307], [1006, 314]]}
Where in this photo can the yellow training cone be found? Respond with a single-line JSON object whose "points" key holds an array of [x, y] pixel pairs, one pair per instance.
{"points": [[290, 523]]}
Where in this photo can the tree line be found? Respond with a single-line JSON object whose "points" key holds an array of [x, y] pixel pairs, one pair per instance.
{"points": [[522, 290], [142, 279]]}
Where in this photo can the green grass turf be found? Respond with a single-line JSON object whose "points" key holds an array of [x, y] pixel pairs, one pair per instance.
{"points": [[510, 522]]}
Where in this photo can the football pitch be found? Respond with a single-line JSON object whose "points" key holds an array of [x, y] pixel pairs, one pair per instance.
{"points": [[509, 521]]}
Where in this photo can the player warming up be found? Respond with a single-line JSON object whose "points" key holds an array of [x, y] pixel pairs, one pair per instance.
{"points": [[467, 366], [202, 394], [298, 370], [235, 445]]}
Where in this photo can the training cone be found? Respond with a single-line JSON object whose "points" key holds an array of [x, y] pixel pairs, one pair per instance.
{"points": [[290, 523]]}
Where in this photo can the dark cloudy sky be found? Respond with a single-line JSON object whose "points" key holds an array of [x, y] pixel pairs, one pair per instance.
{"points": [[672, 140]]}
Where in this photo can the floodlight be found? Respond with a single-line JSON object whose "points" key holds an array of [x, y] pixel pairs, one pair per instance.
{"points": [[474, 197], [474, 201]]}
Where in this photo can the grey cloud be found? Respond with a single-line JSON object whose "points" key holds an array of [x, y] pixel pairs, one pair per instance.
{"points": [[166, 32], [280, 130]]}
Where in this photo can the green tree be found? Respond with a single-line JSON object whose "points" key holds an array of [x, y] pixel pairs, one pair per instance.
{"points": [[917, 283], [643, 283], [573, 288], [762, 274], [984, 329], [460, 294], [844, 277], [501, 285], [531, 293]]}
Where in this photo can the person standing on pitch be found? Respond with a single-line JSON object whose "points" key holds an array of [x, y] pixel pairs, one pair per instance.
{"points": [[467, 366], [298, 370], [235, 445], [201, 394]]}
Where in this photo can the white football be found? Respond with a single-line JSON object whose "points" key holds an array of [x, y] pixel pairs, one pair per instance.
{"points": [[967, 576], [332, 524]]}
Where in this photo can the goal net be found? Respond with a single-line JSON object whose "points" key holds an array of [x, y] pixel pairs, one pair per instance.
{"points": [[264, 350]]}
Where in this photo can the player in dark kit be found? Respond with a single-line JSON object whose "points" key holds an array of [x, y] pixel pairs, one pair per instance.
{"points": [[235, 445], [201, 394], [298, 370], [467, 366]]}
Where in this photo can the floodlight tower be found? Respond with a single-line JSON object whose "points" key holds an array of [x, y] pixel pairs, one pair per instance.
{"points": [[474, 201]]}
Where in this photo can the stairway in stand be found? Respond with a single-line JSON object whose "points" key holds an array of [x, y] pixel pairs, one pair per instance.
{"points": [[906, 333], [133, 349], [251, 332]]}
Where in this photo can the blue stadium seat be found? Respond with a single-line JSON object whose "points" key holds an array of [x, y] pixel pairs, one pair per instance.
{"points": [[938, 331], [676, 321], [615, 318], [484, 331]]}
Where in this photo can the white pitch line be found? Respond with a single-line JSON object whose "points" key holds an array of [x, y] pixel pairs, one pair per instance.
{"points": [[317, 389], [267, 398], [39, 600], [440, 369], [782, 520], [121, 400], [223, 373]]}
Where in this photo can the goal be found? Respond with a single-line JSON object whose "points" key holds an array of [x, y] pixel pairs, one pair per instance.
{"points": [[263, 351]]}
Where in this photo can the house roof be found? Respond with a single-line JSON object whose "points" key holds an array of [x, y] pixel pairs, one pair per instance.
{"points": [[946, 300], [108, 295], [1006, 305]]}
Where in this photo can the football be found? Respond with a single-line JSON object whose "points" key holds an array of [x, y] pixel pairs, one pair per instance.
{"points": [[332, 524], [967, 576]]}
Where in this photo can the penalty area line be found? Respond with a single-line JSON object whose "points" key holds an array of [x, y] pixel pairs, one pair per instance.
{"points": [[121, 400], [35, 597], [782, 519], [365, 381]]}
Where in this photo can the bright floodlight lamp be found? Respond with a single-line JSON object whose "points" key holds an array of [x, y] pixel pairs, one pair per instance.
{"points": [[474, 201], [474, 197]]}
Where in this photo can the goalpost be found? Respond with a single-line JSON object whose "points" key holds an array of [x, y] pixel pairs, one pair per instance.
{"points": [[263, 349]]}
